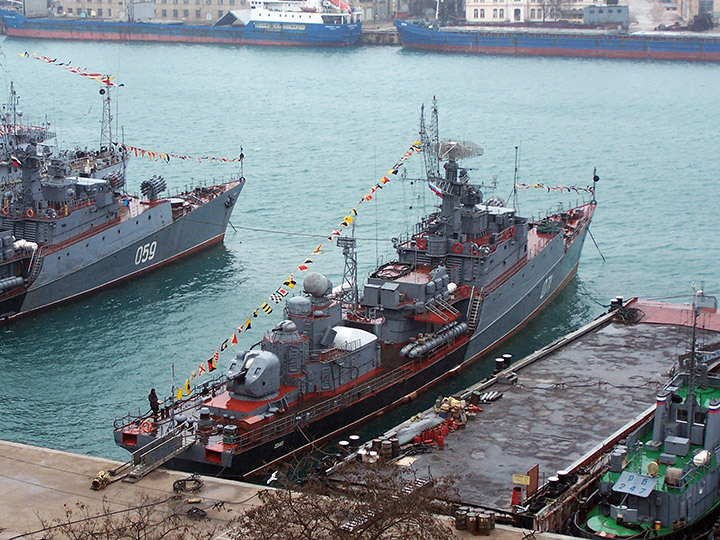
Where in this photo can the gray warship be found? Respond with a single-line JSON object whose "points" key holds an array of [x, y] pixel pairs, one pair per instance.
{"points": [[468, 276], [68, 228]]}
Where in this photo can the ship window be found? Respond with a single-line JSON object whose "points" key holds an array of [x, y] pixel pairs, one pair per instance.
{"points": [[137, 222], [699, 418], [681, 415], [87, 245]]}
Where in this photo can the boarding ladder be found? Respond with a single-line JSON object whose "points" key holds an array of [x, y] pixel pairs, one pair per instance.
{"points": [[151, 456], [36, 263], [440, 308], [474, 308]]}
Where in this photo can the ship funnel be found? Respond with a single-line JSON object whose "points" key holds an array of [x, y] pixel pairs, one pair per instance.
{"points": [[152, 188], [712, 425]]}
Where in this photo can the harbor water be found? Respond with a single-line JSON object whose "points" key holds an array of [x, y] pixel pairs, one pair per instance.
{"points": [[318, 129]]}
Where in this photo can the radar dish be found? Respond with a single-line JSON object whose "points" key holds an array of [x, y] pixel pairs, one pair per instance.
{"points": [[448, 149]]}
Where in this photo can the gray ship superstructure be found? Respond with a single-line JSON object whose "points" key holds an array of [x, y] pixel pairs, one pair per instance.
{"points": [[68, 228], [467, 277]]}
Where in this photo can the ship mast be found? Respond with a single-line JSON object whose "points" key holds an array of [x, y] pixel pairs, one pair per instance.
{"points": [[691, 365], [515, 179], [349, 296], [429, 138], [106, 123]]}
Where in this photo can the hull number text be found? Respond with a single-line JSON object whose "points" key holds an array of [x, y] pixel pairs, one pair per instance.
{"points": [[145, 253]]}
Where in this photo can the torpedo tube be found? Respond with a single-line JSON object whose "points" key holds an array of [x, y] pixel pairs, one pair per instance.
{"points": [[428, 343]]}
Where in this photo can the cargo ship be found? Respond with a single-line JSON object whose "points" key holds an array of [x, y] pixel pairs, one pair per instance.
{"points": [[264, 22], [469, 275], [572, 43], [68, 227]]}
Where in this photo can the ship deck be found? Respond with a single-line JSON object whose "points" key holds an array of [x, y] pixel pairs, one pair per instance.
{"points": [[568, 398]]}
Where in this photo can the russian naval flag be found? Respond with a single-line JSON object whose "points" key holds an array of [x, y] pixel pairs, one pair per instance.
{"points": [[436, 190]]}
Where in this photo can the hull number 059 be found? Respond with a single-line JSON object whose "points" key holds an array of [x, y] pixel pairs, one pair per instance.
{"points": [[145, 253]]}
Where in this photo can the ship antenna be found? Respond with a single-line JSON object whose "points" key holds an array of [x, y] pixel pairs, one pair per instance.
{"points": [[691, 366], [515, 179], [596, 179]]}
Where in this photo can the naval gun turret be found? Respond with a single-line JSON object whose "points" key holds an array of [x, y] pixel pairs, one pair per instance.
{"points": [[254, 375]]}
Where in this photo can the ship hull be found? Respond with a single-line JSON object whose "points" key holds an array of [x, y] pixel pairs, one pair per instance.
{"points": [[522, 298], [122, 252], [575, 44], [326, 35]]}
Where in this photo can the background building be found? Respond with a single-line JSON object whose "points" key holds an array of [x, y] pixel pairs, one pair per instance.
{"points": [[195, 11]]}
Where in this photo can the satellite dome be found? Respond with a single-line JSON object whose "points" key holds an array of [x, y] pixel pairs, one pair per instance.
{"points": [[316, 284]]}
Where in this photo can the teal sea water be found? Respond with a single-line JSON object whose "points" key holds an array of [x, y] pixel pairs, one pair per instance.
{"points": [[318, 129]]}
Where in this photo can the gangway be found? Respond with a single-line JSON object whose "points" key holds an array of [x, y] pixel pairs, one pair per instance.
{"points": [[155, 454]]}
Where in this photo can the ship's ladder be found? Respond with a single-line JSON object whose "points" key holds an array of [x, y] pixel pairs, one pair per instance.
{"points": [[474, 308], [36, 263], [442, 310], [155, 454]]}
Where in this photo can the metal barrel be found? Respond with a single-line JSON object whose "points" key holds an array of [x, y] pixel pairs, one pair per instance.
{"points": [[395, 445], [483, 524], [386, 449], [460, 520], [471, 522]]}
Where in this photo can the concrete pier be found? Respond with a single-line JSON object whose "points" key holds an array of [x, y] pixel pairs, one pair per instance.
{"points": [[37, 482]]}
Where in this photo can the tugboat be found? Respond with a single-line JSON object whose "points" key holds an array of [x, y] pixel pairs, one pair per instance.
{"points": [[468, 276], [67, 227], [664, 480]]}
